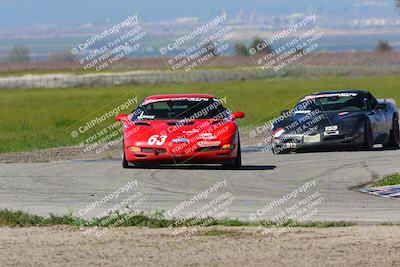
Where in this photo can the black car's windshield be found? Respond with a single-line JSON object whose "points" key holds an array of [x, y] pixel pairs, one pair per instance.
{"points": [[342, 102], [179, 109]]}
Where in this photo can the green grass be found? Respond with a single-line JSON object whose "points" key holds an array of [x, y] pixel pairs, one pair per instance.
{"points": [[156, 220], [313, 224], [393, 179], [41, 118]]}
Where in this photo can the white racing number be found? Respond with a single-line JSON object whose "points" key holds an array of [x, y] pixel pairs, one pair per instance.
{"points": [[157, 139]]}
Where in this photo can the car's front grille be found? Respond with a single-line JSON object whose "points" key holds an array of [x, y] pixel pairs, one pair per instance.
{"points": [[291, 140], [153, 150]]}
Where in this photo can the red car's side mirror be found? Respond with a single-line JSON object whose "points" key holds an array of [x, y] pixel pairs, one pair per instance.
{"points": [[121, 117], [238, 115]]}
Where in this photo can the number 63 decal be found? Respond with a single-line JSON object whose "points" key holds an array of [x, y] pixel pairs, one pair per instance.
{"points": [[157, 139]]}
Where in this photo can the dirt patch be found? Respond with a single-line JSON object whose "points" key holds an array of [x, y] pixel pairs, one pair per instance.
{"points": [[58, 246], [56, 154]]}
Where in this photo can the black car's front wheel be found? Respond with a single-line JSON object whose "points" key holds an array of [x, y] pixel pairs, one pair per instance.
{"points": [[368, 136], [394, 138], [281, 151]]}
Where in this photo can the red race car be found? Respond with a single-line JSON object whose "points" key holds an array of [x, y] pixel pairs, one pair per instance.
{"points": [[179, 129]]}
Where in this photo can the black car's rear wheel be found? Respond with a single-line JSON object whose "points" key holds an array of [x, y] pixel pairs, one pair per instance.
{"points": [[394, 138], [368, 136]]}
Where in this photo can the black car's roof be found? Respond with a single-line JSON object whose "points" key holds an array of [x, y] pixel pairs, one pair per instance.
{"points": [[357, 91]]}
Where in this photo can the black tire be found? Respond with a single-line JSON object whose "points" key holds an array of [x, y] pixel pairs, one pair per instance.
{"points": [[394, 138], [236, 163], [278, 151], [125, 163], [368, 136], [238, 160]]}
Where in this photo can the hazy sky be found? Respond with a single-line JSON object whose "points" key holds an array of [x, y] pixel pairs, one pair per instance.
{"points": [[29, 12]]}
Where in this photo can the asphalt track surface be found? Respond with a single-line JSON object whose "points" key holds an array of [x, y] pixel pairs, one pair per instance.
{"points": [[59, 187]]}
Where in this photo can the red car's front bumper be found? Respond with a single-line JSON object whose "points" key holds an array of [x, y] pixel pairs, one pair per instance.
{"points": [[207, 156]]}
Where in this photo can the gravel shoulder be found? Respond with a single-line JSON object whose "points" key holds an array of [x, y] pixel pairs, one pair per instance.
{"points": [[56, 154], [234, 246]]}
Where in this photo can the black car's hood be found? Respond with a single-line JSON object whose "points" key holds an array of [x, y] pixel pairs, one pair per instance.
{"points": [[301, 122]]}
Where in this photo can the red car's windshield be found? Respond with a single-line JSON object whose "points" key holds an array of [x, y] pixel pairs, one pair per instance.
{"points": [[181, 109]]}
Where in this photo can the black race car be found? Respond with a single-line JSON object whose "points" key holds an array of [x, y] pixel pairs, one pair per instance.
{"points": [[351, 118]]}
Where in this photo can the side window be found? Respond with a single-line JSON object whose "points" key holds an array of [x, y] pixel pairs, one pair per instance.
{"points": [[370, 102], [373, 102]]}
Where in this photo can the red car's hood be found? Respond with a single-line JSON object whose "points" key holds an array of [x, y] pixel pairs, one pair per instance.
{"points": [[174, 126]]}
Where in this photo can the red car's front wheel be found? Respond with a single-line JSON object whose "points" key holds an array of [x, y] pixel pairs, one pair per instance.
{"points": [[125, 163], [235, 163]]}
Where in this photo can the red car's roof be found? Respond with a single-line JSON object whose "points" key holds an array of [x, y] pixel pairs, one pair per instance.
{"points": [[179, 96]]}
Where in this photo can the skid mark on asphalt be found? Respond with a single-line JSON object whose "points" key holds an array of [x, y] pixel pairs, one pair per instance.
{"points": [[374, 177]]}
